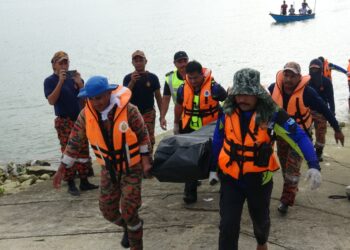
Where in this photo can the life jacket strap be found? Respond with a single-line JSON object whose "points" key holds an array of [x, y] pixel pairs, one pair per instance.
{"points": [[201, 112]]}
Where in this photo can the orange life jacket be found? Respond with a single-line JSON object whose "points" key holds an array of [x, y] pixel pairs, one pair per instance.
{"points": [[208, 107], [296, 107], [327, 71], [240, 156], [349, 71], [124, 152]]}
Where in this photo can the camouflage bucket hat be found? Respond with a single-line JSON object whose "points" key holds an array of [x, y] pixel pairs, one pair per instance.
{"points": [[247, 82]]}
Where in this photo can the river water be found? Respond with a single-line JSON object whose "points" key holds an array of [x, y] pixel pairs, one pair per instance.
{"points": [[224, 35]]}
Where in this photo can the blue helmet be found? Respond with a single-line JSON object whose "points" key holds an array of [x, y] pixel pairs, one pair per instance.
{"points": [[96, 85]]}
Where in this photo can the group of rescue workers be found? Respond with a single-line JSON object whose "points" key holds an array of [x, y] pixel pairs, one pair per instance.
{"points": [[118, 122]]}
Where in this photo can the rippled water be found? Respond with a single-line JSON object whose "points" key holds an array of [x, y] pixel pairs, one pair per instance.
{"points": [[224, 35]]}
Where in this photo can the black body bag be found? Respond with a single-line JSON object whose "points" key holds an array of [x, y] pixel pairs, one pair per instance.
{"points": [[184, 157]]}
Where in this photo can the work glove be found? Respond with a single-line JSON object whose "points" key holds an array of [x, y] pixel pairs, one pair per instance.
{"points": [[176, 129], [314, 177], [213, 178]]}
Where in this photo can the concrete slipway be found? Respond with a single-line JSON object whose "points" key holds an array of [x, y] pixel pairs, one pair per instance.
{"points": [[43, 218]]}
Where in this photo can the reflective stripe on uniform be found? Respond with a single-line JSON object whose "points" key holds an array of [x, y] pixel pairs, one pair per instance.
{"points": [[136, 227], [170, 84], [196, 121], [69, 161]]}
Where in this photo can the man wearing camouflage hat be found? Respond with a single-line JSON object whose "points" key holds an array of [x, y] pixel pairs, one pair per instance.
{"points": [[291, 93], [243, 148]]}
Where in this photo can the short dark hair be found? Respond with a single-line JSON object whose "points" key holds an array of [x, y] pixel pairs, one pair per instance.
{"points": [[321, 58], [193, 67]]}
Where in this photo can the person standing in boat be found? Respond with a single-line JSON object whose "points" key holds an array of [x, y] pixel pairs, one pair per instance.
{"points": [[284, 7], [305, 9]]}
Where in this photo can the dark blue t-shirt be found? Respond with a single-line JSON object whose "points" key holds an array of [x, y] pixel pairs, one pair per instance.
{"points": [[67, 104], [325, 91], [143, 91]]}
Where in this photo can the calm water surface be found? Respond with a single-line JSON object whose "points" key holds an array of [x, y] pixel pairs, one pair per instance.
{"points": [[224, 35]]}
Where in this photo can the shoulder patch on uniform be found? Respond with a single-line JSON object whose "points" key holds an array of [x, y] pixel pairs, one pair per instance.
{"points": [[221, 125], [169, 73], [290, 121], [123, 126]]}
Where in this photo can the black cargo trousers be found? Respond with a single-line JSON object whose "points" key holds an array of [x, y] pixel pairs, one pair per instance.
{"points": [[233, 194], [190, 190]]}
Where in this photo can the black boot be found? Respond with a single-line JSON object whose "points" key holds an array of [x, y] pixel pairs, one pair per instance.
{"points": [[319, 152], [86, 185], [282, 208], [125, 240], [72, 189], [190, 192], [91, 171]]}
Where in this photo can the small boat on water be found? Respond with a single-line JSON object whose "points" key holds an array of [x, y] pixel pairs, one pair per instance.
{"points": [[291, 18]]}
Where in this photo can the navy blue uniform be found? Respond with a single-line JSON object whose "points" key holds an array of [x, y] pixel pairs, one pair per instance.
{"points": [[143, 91], [67, 105]]}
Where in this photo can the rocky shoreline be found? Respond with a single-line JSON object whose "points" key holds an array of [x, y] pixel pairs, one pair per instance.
{"points": [[16, 177]]}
